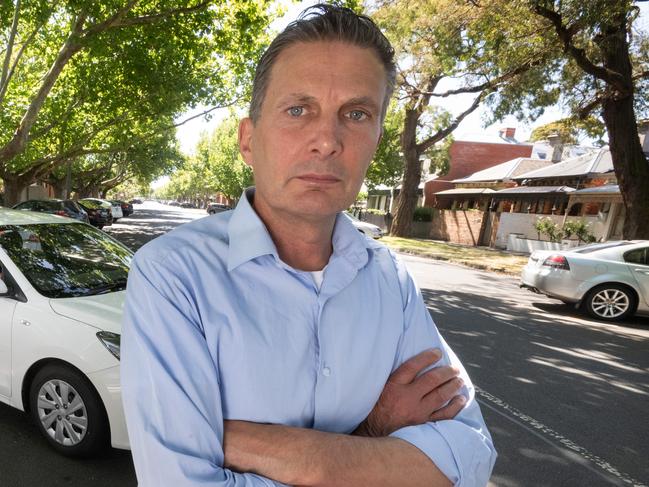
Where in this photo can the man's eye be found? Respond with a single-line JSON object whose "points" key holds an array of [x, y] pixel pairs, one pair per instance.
{"points": [[357, 115], [295, 111]]}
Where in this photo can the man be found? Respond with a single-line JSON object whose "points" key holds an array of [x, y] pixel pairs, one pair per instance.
{"points": [[275, 344]]}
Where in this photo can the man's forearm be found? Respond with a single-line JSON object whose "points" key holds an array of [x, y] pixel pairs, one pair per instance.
{"points": [[298, 456]]}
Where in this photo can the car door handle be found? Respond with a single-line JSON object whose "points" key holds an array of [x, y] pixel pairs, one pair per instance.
{"points": [[25, 322]]}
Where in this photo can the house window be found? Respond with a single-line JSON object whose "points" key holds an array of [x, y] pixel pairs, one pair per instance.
{"points": [[591, 209], [575, 210]]}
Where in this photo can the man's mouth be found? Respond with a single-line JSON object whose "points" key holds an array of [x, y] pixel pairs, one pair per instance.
{"points": [[319, 178]]}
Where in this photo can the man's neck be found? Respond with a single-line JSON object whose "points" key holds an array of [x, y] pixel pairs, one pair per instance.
{"points": [[304, 244]]}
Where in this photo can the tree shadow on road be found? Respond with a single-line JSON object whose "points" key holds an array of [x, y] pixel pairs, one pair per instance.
{"points": [[550, 362]]}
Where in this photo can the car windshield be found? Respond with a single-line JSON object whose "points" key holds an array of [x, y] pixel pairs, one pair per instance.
{"points": [[67, 260]]}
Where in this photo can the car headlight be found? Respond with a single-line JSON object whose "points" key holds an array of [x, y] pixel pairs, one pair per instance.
{"points": [[111, 341]]}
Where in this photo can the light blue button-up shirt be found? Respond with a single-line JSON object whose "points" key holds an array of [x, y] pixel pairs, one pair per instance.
{"points": [[217, 327]]}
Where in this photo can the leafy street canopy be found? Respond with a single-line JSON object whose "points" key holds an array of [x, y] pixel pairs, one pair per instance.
{"points": [[519, 58], [89, 90]]}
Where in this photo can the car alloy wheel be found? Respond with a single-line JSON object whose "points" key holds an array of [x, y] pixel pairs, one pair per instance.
{"points": [[610, 302], [68, 411]]}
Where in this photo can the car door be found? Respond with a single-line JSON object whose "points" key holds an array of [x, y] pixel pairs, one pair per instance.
{"points": [[638, 262], [7, 308]]}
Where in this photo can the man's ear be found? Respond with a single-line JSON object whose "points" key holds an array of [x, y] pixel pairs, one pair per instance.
{"points": [[246, 128]]}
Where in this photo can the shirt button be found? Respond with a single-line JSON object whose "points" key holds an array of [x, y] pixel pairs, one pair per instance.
{"points": [[326, 371]]}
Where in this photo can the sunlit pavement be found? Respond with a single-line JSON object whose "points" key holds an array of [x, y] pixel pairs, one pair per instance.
{"points": [[150, 220]]}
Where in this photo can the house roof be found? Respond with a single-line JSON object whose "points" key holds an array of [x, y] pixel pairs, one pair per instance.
{"points": [[605, 189], [598, 162], [506, 170], [464, 191], [533, 190]]}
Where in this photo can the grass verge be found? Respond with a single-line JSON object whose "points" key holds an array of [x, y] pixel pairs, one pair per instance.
{"points": [[483, 258]]}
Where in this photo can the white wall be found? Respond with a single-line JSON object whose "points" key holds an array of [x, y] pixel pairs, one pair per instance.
{"points": [[523, 223]]}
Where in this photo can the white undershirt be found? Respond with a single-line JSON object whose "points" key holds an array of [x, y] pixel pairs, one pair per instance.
{"points": [[318, 277]]}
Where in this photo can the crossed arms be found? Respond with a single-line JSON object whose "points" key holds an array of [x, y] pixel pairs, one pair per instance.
{"points": [[299, 456]]}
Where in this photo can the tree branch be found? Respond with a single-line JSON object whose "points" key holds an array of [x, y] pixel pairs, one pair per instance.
{"points": [[566, 35], [10, 46], [229, 104], [21, 135], [441, 134], [5, 85]]}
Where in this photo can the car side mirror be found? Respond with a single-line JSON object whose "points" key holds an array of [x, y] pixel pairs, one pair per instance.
{"points": [[3, 287]]}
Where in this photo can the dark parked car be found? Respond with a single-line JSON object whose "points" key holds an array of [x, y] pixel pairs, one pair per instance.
{"points": [[99, 215], [127, 208], [217, 208], [187, 205], [69, 208], [135, 201]]}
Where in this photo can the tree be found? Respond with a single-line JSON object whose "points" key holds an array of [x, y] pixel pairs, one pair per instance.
{"points": [[598, 69], [215, 167], [387, 166], [606, 66], [75, 75], [437, 41]]}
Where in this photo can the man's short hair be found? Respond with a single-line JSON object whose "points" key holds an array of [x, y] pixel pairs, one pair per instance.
{"points": [[324, 22]]}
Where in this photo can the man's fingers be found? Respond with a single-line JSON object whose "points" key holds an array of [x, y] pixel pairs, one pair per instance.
{"points": [[408, 370], [435, 399], [434, 378], [450, 410]]}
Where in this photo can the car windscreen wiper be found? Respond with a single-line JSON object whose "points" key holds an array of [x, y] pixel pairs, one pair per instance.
{"points": [[118, 285]]}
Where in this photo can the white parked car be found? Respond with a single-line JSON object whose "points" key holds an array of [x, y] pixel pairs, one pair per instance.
{"points": [[368, 229], [115, 208], [62, 288], [610, 280]]}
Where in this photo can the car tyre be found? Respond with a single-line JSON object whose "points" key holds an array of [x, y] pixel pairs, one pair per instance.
{"points": [[610, 302], [83, 431]]}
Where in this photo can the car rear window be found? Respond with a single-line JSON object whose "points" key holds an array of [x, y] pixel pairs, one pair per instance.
{"points": [[637, 256], [72, 205], [91, 204], [586, 249]]}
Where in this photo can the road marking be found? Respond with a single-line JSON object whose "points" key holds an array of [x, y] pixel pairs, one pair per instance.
{"points": [[551, 437]]}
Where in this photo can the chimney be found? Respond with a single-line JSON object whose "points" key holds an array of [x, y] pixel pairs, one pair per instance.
{"points": [[507, 133], [557, 147]]}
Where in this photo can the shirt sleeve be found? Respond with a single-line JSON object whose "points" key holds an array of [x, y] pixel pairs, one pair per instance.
{"points": [[170, 387], [462, 447]]}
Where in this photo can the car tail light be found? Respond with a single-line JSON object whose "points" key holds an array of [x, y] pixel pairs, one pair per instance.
{"points": [[557, 261], [60, 213]]}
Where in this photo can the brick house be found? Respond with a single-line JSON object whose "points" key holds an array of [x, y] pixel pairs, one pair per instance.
{"points": [[470, 156]]}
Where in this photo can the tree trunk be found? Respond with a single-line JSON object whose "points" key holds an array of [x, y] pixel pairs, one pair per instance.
{"points": [[12, 189], [407, 199], [630, 164]]}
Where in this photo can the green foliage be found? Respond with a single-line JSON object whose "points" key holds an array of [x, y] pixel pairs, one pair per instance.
{"points": [[546, 226], [580, 229], [423, 214], [125, 84], [216, 167], [387, 166], [361, 196]]}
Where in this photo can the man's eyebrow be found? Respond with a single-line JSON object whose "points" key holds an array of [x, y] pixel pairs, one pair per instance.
{"points": [[363, 101], [297, 98]]}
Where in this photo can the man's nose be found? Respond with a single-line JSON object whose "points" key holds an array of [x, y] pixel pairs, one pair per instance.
{"points": [[327, 136]]}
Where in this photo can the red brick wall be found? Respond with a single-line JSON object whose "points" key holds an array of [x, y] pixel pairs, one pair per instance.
{"points": [[468, 157], [457, 226]]}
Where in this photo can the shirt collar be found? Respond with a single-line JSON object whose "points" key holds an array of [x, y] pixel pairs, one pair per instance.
{"points": [[249, 238]]}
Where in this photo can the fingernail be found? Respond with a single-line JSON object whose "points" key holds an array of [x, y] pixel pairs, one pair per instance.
{"points": [[437, 353]]}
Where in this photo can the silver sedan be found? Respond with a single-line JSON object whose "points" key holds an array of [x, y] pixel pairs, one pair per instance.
{"points": [[609, 280]]}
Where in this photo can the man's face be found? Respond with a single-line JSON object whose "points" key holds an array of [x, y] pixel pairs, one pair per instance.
{"points": [[318, 130]]}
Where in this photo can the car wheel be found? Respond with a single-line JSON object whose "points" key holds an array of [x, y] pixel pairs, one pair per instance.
{"points": [[610, 302], [68, 412]]}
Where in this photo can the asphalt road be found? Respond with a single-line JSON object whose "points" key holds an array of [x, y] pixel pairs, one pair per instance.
{"points": [[564, 396]]}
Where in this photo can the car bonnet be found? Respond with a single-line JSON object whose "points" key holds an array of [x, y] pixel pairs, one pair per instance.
{"points": [[103, 311]]}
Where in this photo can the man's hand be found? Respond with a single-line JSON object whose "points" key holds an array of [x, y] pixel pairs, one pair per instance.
{"points": [[410, 397]]}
